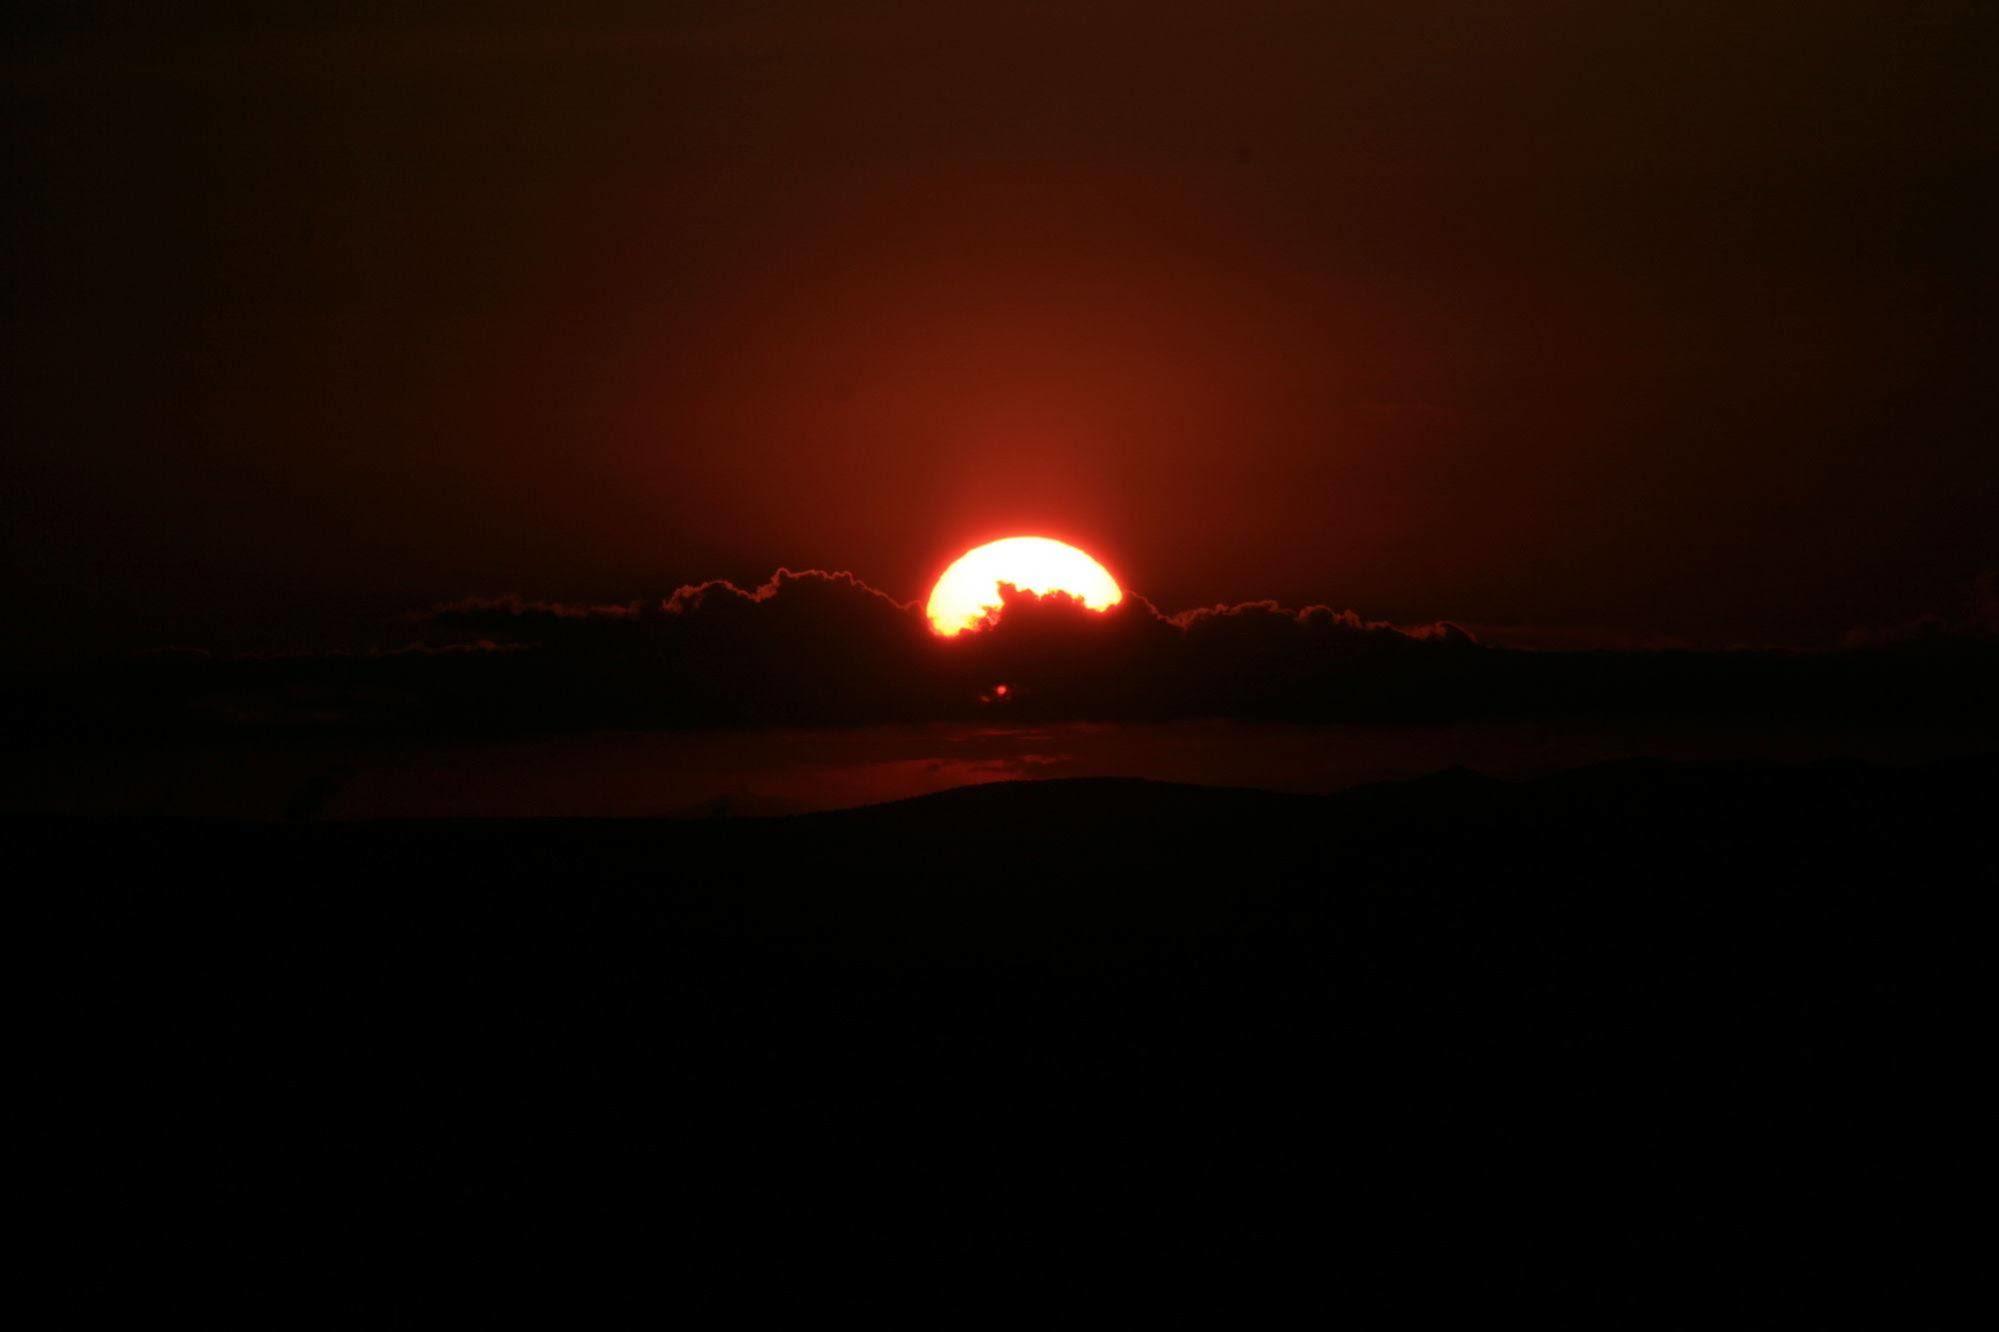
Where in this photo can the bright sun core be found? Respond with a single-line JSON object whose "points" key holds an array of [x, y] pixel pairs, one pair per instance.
{"points": [[969, 589]]}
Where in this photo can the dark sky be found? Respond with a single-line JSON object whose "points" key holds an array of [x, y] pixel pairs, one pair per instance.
{"points": [[1614, 320]]}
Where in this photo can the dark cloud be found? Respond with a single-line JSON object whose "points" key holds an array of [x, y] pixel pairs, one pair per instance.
{"points": [[816, 648], [1977, 621]]}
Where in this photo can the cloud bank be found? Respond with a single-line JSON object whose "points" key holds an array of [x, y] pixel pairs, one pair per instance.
{"points": [[815, 648]]}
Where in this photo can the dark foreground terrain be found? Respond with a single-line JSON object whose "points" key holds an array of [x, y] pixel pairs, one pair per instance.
{"points": [[1642, 1043]]}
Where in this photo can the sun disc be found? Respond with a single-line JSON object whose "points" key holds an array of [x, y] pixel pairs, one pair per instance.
{"points": [[969, 590]]}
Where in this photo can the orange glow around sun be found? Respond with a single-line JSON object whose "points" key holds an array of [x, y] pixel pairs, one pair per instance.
{"points": [[969, 589]]}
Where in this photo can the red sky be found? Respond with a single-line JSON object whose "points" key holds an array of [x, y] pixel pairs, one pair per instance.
{"points": [[1603, 320]]}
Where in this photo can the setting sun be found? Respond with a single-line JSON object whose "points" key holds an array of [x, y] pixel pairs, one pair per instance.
{"points": [[969, 589]]}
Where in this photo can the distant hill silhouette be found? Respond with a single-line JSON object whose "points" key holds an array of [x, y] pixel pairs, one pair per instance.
{"points": [[1645, 1043]]}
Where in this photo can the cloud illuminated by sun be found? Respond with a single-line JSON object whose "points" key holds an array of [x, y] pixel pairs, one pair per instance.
{"points": [[969, 589]]}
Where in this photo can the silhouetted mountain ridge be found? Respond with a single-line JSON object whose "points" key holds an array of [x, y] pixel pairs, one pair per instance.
{"points": [[1648, 1043]]}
